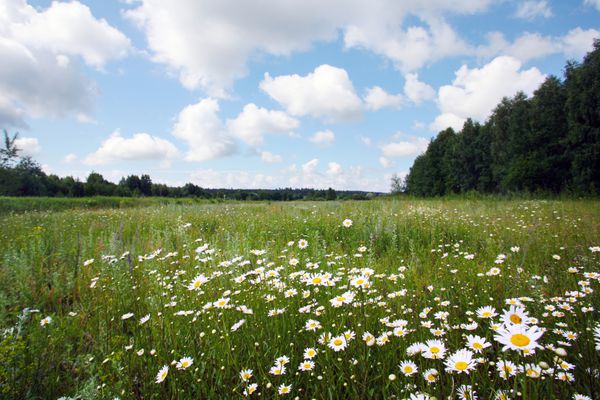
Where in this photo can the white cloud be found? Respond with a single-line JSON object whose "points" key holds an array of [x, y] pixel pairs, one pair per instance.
{"points": [[70, 158], [377, 98], [207, 43], [269, 157], [366, 140], [594, 3], [37, 76], [323, 137], [254, 122], [333, 169], [531, 9], [417, 91], [475, 92], [325, 93], [530, 46], [412, 147], [385, 162], [29, 146], [310, 166], [204, 132], [141, 146], [210, 178]]}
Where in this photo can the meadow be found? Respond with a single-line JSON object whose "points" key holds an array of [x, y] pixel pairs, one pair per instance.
{"points": [[392, 298]]}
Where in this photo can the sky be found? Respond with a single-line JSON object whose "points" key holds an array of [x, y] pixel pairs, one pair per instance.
{"points": [[268, 93]]}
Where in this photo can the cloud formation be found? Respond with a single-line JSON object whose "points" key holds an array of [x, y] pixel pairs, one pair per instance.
{"points": [[141, 146]]}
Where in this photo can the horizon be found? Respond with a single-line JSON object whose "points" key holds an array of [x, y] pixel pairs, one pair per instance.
{"points": [[341, 95]]}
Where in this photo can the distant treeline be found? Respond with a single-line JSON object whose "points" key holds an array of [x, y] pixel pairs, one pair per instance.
{"points": [[547, 143], [26, 178]]}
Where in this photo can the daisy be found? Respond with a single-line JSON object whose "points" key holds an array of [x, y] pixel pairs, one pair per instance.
{"points": [[246, 374], [284, 389], [532, 370], [506, 369], [477, 343], [277, 370], [368, 338], [338, 343], [310, 353], [408, 368], [519, 337], [162, 374], [461, 361], [501, 395], [46, 321], [126, 316], [431, 375], [347, 223], [435, 349], [360, 281], [565, 376], [419, 396], [515, 316], [184, 363], [312, 325], [486, 312], [306, 365], [197, 282], [222, 302], [302, 243], [282, 360], [466, 392], [250, 389], [144, 319]]}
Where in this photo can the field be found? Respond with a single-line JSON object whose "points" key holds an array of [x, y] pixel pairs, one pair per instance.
{"points": [[489, 299]]}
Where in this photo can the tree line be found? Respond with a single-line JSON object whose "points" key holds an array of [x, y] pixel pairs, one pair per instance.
{"points": [[23, 176], [548, 143]]}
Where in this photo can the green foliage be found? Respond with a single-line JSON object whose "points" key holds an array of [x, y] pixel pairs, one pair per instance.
{"points": [[549, 143]]}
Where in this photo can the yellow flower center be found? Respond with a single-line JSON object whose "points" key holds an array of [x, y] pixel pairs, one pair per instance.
{"points": [[408, 369], [197, 284], [520, 340], [316, 280], [431, 377], [486, 314], [185, 364], [461, 365], [532, 373], [434, 350], [515, 319], [477, 346], [359, 282], [338, 342]]}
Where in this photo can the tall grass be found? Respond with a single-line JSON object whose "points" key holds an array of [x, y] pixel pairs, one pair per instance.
{"points": [[418, 256]]}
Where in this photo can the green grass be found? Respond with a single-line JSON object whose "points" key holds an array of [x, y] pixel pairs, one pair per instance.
{"points": [[415, 248]]}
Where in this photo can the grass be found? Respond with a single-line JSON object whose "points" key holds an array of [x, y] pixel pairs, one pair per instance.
{"points": [[428, 262]]}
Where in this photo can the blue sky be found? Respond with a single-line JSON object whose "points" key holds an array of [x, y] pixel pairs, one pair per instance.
{"points": [[272, 93]]}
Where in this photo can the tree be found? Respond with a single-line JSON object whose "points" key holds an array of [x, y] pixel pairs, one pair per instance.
{"points": [[10, 152], [397, 184]]}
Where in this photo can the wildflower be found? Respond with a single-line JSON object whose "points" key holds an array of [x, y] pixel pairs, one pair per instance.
{"points": [[501, 395], [565, 376], [222, 302], [282, 360], [184, 363], [431, 375], [246, 374], [197, 282], [310, 352], [277, 370], [162, 374], [506, 369], [250, 389], [347, 223], [126, 316], [144, 319], [532, 370], [302, 243], [515, 316], [284, 389], [368, 338], [466, 392], [306, 365], [360, 281], [519, 337], [461, 361], [408, 368], [477, 343], [338, 343], [312, 325], [486, 312], [237, 325], [435, 349], [419, 396], [577, 396], [46, 321]]}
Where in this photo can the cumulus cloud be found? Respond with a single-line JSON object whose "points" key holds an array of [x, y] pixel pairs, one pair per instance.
{"points": [[333, 169], [385, 162], [29, 146], [269, 157], [207, 44], [531, 9], [254, 122], [403, 148], [326, 93], [323, 137], [377, 98], [141, 146], [70, 158], [593, 3], [40, 74], [211, 178], [201, 128], [417, 91], [475, 92], [529, 46]]}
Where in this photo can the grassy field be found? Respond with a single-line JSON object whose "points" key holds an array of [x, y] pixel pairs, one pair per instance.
{"points": [[353, 300]]}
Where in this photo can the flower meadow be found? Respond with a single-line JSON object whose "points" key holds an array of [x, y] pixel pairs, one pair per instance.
{"points": [[405, 299]]}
